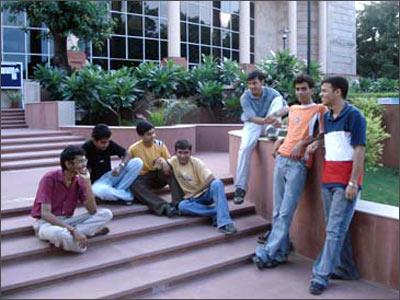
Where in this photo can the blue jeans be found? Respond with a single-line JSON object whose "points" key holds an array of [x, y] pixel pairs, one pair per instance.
{"points": [[289, 179], [113, 188], [336, 256], [201, 206]]}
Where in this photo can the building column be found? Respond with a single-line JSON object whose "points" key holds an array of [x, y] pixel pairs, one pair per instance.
{"points": [[244, 32], [322, 39], [174, 29], [293, 27]]}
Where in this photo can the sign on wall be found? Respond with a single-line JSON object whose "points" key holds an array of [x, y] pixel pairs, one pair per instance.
{"points": [[11, 75]]}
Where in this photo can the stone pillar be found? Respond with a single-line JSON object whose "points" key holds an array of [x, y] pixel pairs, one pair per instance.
{"points": [[293, 27], [174, 29], [322, 39], [244, 34]]}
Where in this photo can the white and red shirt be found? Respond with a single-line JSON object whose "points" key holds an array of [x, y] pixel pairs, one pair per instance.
{"points": [[342, 134]]}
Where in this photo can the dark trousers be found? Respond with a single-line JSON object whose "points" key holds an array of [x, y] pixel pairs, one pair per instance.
{"points": [[144, 186]]}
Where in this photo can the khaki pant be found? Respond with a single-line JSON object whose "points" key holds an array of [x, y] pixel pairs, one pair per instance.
{"points": [[60, 237]]}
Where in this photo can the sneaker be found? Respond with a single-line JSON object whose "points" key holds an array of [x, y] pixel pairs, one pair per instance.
{"points": [[228, 229], [102, 231], [316, 288], [170, 211], [265, 265], [239, 196]]}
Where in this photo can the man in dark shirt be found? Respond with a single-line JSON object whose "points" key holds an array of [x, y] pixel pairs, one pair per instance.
{"points": [[111, 185]]}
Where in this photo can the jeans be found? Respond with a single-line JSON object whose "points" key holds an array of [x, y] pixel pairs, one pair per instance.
{"points": [[61, 238], [201, 206], [112, 188], [336, 256], [289, 180]]}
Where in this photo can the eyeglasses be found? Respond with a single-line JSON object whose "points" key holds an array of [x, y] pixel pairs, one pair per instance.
{"points": [[81, 161]]}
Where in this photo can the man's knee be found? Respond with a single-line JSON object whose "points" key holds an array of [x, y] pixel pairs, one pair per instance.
{"points": [[217, 184], [135, 163], [105, 214], [99, 190], [183, 205]]}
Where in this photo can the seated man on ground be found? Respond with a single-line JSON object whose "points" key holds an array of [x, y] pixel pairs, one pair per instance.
{"points": [[201, 190], [56, 199], [262, 106], [110, 185], [155, 174], [290, 173]]}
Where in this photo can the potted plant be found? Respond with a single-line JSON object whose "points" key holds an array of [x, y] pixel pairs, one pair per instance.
{"points": [[15, 98]]}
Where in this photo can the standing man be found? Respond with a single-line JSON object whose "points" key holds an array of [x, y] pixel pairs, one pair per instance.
{"points": [[261, 106], [200, 188], [155, 173], [345, 139], [290, 172], [110, 185], [58, 194]]}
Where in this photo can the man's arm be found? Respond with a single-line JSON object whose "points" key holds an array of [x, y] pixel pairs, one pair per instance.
{"points": [[358, 167], [205, 185], [90, 201]]}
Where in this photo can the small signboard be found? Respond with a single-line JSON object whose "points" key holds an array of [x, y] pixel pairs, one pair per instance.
{"points": [[11, 75], [76, 59]]}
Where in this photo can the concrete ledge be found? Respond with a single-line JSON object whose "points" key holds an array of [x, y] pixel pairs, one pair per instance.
{"points": [[374, 228], [50, 114], [389, 101]]}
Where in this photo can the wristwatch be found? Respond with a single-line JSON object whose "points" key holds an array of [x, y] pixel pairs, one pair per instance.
{"points": [[352, 184]]}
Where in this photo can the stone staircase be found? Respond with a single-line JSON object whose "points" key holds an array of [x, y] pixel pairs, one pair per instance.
{"points": [[142, 255], [12, 118], [26, 148]]}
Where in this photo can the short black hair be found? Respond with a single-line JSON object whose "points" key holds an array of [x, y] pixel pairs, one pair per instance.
{"points": [[143, 126], [256, 75], [304, 78], [338, 82], [101, 131], [69, 153], [183, 145]]}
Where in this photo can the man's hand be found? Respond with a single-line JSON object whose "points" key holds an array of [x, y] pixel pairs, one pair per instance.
{"points": [[161, 164], [351, 192], [277, 144], [270, 119], [188, 196], [85, 174], [80, 238], [297, 151], [116, 171], [312, 148]]}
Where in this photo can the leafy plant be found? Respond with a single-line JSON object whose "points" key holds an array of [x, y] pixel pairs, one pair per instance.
{"points": [[52, 79], [157, 117], [15, 98], [169, 111], [229, 71], [207, 71]]}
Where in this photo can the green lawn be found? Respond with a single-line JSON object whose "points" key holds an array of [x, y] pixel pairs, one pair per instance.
{"points": [[381, 186]]}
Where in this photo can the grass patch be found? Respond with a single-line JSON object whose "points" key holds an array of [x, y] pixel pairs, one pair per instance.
{"points": [[381, 186]]}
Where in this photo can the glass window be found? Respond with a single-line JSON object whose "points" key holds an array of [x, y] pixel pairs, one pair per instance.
{"points": [[235, 55], [216, 37], [135, 25], [216, 18], [183, 11], [103, 63], [205, 50], [164, 9], [116, 5], [217, 52], [19, 21], [235, 22], [151, 8], [234, 7], [135, 48], [235, 40], [52, 46], [183, 32], [226, 39], [251, 27], [163, 28], [36, 43], [183, 50], [117, 47], [227, 53], [193, 33], [151, 27], [116, 64], [252, 58], [194, 54], [205, 15], [103, 51], [164, 50], [34, 60], [120, 26], [217, 4], [135, 7], [225, 6], [152, 50], [252, 44], [193, 13], [251, 9], [15, 40], [206, 35]]}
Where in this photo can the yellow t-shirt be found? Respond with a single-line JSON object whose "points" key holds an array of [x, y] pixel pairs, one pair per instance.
{"points": [[149, 154], [190, 176]]}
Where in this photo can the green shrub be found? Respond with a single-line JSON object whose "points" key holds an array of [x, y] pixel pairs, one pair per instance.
{"points": [[52, 79], [169, 111], [380, 85], [376, 133]]}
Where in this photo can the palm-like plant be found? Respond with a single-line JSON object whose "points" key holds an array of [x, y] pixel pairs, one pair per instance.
{"points": [[52, 79]]}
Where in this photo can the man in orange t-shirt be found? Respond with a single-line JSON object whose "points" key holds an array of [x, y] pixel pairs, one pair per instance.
{"points": [[290, 172]]}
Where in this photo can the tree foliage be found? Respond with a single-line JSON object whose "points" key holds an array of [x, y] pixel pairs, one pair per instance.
{"points": [[378, 40]]}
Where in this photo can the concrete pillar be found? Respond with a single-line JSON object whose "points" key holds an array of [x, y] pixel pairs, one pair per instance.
{"points": [[174, 29], [244, 32], [293, 27], [322, 39]]}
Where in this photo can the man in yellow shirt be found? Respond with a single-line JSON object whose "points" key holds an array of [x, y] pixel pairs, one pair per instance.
{"points": [[200, 188], [155, 173]]}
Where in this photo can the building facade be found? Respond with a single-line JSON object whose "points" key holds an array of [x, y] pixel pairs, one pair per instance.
{"points": [[245, 31]]}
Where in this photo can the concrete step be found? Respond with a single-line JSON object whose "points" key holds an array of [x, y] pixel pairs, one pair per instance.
{"points": [[41, 140], [10, 118], [14, 126], [29, 164], [38, 147], [33, 134], [22, 224], [126, 224], [157, 273], [106, 256], [20, 156], [11, 110], [12, 122]]}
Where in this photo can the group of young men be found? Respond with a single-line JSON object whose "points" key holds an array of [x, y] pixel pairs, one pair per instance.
{"points": [[147, 166]]}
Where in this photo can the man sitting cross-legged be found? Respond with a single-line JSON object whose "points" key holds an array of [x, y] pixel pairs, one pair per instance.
{"points": [[56, 199], [201, 190], [154, 175], [110, 185]]}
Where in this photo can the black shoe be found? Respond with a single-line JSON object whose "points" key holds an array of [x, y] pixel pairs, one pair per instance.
{"points": [[239, 196], [262, 239], [265, 265], [214, 221], [170, 211], [316, 288], [228, 229]]}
